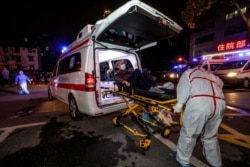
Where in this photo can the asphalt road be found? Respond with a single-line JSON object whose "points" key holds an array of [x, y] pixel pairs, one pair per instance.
{"points": [[46, 136]]}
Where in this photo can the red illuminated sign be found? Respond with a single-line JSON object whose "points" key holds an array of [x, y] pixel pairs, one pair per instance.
{"points": [[231, 45]]}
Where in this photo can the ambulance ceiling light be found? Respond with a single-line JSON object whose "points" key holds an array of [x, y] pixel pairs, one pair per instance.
{"points": [[110, 54]]}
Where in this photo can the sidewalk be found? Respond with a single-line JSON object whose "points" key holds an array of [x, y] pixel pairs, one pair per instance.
{"points": [[31, 87]]}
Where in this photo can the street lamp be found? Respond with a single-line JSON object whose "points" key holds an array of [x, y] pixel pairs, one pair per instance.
{"points": [[106, 13], [180, 59]]}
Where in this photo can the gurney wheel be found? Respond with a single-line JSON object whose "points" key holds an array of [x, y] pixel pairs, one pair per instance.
{"points": [[115, 123], [144, 144], [166, 132]]}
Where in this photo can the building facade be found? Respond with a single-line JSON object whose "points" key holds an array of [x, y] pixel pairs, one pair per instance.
{"points": [[224, 31], [19, 58]]}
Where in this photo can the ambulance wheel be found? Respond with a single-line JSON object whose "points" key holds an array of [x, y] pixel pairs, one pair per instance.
{"points": [[50, 97], [165, 132], [246, 83], [73, 109]]}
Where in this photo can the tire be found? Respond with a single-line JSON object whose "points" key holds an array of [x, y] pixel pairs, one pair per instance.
{"points": [[73, 109], [246, 83], [50, 97]]}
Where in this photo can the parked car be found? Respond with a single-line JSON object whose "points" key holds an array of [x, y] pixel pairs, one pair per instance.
{"points": [[174, 74], [171, 75]]}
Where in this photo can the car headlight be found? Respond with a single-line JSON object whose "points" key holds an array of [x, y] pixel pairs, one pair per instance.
{"points": [[232, 74], [172, 75]]}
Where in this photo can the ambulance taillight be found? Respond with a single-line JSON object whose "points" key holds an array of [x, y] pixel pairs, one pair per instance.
{"points": [[89, 82]]}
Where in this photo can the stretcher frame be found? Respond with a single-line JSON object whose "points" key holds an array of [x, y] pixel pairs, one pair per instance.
{"points": [[156, 108]]}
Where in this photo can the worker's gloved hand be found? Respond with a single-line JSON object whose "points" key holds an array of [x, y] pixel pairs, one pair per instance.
{"points": [[178, 108], [126, 83]]}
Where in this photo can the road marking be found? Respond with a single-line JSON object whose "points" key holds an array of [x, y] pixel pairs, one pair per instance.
{"points": [[238, 110], [238, 115], [194, 161], [5, 134], [8, 130], [235, 137]]}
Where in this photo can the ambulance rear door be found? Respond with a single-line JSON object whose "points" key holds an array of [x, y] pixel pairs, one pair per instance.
{"points": [[134, 25]]}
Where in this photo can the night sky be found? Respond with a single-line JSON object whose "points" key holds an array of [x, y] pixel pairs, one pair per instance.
{"points": [[62, 20]]}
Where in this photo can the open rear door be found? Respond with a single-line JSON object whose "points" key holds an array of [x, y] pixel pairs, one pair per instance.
{"points": [[134, 25]]}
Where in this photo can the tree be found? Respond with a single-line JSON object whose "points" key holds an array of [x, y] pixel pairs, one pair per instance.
{"points": [[195, 8], [245, 18]]}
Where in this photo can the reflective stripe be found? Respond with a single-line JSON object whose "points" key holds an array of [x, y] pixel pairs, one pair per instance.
{"points": [[206, 95]]}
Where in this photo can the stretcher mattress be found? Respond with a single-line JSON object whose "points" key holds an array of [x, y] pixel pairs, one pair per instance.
{"points": [[167, 95]]}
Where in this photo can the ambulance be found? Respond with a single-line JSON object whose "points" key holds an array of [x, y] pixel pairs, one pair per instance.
{"points": [[209, 64], [235, 71], [82, 77]]}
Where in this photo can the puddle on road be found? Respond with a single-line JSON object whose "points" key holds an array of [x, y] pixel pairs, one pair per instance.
{"points": [[25, 111]]}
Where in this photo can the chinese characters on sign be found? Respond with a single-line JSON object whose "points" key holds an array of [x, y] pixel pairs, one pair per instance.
{"points": [[231, 45]]}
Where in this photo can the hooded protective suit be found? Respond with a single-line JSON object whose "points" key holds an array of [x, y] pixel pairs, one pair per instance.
{"points": [[201, 93], [22, 80]]}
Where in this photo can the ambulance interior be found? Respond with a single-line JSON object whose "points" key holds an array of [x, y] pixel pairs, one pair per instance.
{"points": [[105, 71]]}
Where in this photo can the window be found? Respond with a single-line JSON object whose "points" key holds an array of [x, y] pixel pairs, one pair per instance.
{"points": [[61, 67], [128, 64], [235, 13], [31, 58], [30, 50], [247, 66], [18, 58], [234, 29], [71, 63], [204, 39], [104, 67]]}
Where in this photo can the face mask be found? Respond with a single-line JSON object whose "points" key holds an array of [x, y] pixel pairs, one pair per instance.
{"points": [[123, 67]]}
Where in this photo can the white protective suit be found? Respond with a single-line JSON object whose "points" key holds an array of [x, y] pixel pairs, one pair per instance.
{"points": [[201, 93], [22, 80]]}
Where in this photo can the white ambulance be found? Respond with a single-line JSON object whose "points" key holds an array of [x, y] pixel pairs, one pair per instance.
{"points": [[82, 78], [235, 71]]}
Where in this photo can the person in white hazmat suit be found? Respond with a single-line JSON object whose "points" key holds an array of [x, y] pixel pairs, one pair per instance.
{"points": [[201, 93], [22, 80]]}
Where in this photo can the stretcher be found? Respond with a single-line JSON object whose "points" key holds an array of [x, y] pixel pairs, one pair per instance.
{"points": [[150, 110]]}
